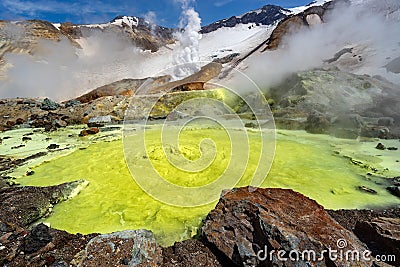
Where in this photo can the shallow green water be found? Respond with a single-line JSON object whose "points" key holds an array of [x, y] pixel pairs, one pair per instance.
{"points": [[113, 201]]}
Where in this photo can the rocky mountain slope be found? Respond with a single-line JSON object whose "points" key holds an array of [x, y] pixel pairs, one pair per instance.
{"points": [[145, 35], [267, 15]]}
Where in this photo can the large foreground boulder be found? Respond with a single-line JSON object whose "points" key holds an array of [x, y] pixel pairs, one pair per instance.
{"points": [[261, 227]]}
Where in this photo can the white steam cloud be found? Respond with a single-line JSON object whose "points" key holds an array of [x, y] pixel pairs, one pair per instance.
{"points": [[186, 55], [60, 71], [374, 35]]}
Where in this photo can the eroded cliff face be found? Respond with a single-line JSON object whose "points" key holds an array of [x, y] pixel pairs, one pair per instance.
{"points": [[294, 23]]}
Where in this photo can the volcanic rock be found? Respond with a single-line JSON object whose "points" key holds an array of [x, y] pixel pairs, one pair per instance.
{"points": [[287, 26], [394, 190], [8, 163], [367, 190], [89, 131], [382, 235], [317, 123], [4, 182], [292, 24], [60, 123], [24, 36], [132, 248], [350, 109], [380, 146], [41, 246], [69, 29], [24, 205], [189, 253], [99, 121], [124, 87], [267, 15], [48, 104], [53, 146], [247, 221], [26, 138], [72, 103], [193, 82], [37, 238], [385, 121]]}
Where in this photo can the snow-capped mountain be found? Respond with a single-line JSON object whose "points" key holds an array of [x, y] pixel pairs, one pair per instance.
{"points": [[267, 15], [147, 49]]}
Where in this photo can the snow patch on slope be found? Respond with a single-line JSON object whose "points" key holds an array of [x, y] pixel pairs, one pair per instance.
{"points": [[130, 21], [297, 10], [239, 39]]}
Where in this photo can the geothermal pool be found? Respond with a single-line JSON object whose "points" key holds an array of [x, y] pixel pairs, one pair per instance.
{"points": [[318, 166]]}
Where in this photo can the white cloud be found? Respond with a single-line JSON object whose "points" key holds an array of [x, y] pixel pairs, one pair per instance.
{"points": [[222, 3], [78, 8]]}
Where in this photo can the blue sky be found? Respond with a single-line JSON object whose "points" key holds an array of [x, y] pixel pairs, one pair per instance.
{"points": [[164, 12]]}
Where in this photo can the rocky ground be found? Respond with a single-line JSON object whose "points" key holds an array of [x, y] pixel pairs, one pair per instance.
{"points": [[244, 222]]}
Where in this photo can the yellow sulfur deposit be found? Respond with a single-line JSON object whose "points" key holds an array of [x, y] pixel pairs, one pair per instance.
{"points": [[113, 201]]}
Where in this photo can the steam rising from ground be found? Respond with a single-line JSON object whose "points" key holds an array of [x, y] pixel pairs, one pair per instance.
{"points": [[376, 35], [61, 71], [186, 55]]}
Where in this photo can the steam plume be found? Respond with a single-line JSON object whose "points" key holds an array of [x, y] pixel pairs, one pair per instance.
{"points": [[375, 34], [187, 54], [60, 71]]}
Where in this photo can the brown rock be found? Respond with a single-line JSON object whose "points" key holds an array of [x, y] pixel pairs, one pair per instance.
{"points": [[19, 121], [89, 131], [69, 29], [193, 82], [248, 222], [10, 123], [293, 24], [125, 87], [42, 246], [287, 26], [189, 253]]}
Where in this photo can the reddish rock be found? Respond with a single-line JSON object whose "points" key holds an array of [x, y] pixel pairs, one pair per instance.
{"points": [[19, 121], [10, 123], [89, 131], [247, 222]]}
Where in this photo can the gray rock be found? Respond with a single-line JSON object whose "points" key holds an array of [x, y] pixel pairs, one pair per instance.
{"points": [[48, 104], [317, 123], [72, 103], [134, 248], [385, 121], [99, 121], [24, 205]]}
